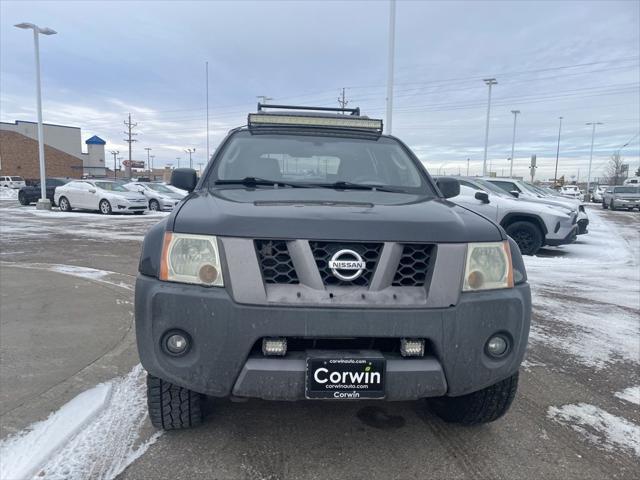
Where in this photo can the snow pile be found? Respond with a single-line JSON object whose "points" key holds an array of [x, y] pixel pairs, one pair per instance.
{"points": [[8, 193], [23, 454], [82, 272], [103, 447], [599, 427], [631, 395]]}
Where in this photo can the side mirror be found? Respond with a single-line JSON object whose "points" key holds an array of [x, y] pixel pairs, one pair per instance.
{"points": [[450, 187], [184, 179], [515, 193], [482, 196]]}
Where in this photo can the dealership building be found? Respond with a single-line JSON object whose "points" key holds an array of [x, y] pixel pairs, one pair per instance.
{"points": [[64, 155]]}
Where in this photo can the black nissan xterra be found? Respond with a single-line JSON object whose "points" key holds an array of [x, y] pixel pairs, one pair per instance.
{"points": [[317, 259]]}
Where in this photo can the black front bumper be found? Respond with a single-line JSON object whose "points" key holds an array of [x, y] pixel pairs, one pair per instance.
{"points": [[570, 238], [220, 363]]}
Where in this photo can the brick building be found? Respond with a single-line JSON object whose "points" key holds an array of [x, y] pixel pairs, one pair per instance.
{"points": [[19, 156]]}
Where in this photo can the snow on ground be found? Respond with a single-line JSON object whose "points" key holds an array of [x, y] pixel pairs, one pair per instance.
{"points": [[599, 427], [101, 450], [24, 454], [8, 193], [631, 394], [586, 296]]}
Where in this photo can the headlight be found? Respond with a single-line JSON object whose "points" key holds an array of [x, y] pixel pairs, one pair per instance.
{"points": [[191, 259], [488, 267]]}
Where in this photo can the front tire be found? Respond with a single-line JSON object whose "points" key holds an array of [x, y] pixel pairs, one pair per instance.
{"points": [[483, 406], [105, 207], [64, 204], [172, 407], [22, 198], [604, 205], [612, 205], [154, 206], [527, 235]]}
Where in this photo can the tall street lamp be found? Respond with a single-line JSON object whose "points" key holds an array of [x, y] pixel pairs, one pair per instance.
{"points": [[555, 175], [43, 202], [489, 82], [190, 151], [513, 142], [593, 134]]}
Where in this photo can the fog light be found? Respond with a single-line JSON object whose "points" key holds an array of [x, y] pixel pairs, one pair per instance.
{"points": [[497, 346], [412, 347], [176, 344], [274, 346]]}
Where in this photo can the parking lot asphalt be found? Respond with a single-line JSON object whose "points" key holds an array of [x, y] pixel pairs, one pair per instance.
{"points": [[568, 420]]}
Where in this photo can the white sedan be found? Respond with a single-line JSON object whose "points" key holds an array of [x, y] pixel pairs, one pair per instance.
{"points": [[103, 195], [158, 195]]}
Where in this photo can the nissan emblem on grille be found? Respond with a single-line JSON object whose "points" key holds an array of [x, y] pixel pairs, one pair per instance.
{"points": [[345, 261]]}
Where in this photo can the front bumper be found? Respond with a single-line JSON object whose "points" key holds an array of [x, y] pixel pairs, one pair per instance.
{"points": [[626, 203], [223, 332], [168, 205], [568, 238]]}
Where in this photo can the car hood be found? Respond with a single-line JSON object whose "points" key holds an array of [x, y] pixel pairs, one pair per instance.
{"points": [[127, 195], [331, 215], [565, 202]]}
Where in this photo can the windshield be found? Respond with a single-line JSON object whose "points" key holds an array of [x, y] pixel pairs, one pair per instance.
{"points": [[528, 188], [159, 188], [16, 179], [317, 160], [111, 186], [627, 190], [488, 186]]}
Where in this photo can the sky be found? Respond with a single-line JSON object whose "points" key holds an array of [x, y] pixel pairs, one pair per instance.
{"points": [[575, 59]]}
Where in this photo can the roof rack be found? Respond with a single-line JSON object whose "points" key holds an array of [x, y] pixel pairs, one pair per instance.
{"points": [[352, 111]]}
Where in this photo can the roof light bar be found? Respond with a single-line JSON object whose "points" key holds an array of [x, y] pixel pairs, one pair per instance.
{"points": [[283, 120], [352, 111]]}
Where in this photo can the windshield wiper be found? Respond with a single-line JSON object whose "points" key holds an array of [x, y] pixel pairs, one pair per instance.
{"points": [[256, 181], [358, 186]]}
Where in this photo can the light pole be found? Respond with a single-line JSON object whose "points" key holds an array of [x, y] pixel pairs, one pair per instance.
{"points": [[555, 175], [489, 82], [468, 160], [178, 162], [392, 43], [263, 99], [148, 149], [513, 142], [115, 153], [43, 202], [593, 134], [152, 157], [190, 151]]}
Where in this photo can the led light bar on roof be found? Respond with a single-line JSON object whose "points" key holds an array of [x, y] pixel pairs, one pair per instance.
{"points": [[348, 122]]}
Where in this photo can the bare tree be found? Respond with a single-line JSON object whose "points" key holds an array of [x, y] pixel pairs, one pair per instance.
{"points": [[614, 171]]}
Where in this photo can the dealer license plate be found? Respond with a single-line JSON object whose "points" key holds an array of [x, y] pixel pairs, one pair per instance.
{"points": [[345, 378]]}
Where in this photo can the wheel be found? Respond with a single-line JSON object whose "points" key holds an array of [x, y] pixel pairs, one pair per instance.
{"points": [[604, 205], [154, 206], [64, 204], [105, 207], [22, 198], [172, 407], [527, 235], [612, 205], [483, 406]]}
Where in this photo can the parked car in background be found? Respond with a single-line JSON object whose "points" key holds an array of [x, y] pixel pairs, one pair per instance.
{"points": [[31, 193], [571, 191], [596, 194], [12, 182], [532, 225], [106, 196], [632, 181], [184, 193], [623, 196], [533, 193], [159, 196]]}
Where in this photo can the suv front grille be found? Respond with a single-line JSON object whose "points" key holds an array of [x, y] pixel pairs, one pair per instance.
{"points": [[414, 265], [323, 251], [275, 262]]}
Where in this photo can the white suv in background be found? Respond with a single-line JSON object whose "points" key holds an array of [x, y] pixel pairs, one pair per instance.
{"points": [[106, 196], [12, 182], [571, 191], [532, 225], [530, 192]]}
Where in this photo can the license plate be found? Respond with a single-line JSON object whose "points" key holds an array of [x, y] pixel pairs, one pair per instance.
{"points": [[345, 378]]}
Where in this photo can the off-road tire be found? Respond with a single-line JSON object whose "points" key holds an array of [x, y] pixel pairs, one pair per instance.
{"points": [[105, 207], [172, 407], [22, 198], [64, 204], [483, 406], [154, 205], [527, 235]]}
